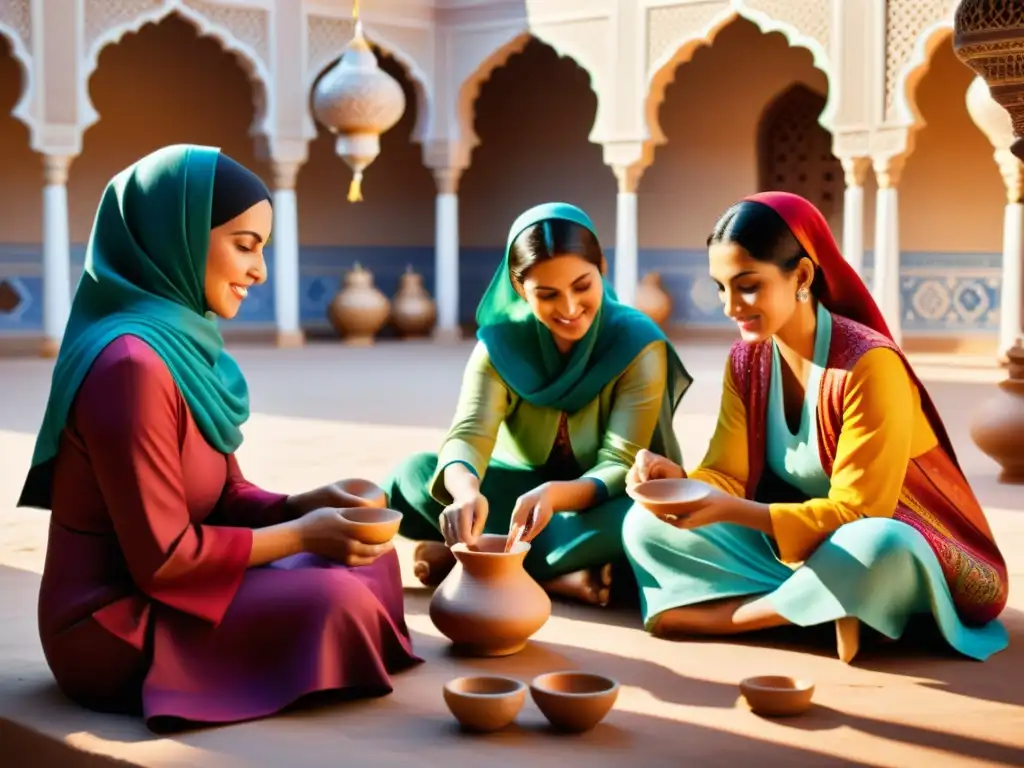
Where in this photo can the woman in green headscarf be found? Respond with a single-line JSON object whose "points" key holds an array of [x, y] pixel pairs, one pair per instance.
{"points": [[564, 387], [173, 587]]}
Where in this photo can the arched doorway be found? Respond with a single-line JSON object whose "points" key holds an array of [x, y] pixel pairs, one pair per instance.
{"points": [[533, 117]]}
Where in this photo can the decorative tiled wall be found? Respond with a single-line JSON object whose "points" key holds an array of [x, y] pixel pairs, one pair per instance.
{"points": [[943, 293]]}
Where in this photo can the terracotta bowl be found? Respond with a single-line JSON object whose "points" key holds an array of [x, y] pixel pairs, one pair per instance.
{"points": [[364, 489], [669, 498], [484, 703], [574, 701], [371, 525], [777, 695]]}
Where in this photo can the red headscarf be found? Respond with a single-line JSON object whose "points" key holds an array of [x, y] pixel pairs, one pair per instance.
{"points": [[844, 292]]}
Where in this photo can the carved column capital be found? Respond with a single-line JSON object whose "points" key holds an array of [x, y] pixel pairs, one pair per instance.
{"points": [[856, 170], [284, 173], [629, 176], [889, 170], [1012, 170], [55, 169], [447, 180]]}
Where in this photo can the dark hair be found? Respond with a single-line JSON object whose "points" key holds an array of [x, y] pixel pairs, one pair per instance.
{"points": [[761, 231], [236, 189], [550, 238]]}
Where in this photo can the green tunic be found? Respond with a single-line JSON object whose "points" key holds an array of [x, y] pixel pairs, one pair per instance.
{"points": [[513, 447]]}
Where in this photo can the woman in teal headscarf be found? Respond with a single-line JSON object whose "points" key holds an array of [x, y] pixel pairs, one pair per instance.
{"points": [[563, 388], [172, 586]]}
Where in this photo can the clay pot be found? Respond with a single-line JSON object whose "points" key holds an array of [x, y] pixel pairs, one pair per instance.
{"points": [[484, 703], [372, 494], [997, 425], [777, 696], [652, 299], [359, 310], [413, 312], [371, 525], [669, 497], [574, 701], [488, 605]]}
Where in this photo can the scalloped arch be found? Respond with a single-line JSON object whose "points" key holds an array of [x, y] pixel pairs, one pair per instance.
{"points": [[250, 62], [469, 89], [662, 71], [905, 109], [22, 109]]}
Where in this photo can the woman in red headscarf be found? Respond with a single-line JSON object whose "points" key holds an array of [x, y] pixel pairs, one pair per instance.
{"points": [[834, 490]]}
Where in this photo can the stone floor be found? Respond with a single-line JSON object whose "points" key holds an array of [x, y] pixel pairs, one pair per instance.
{"points": [[326, 412]]}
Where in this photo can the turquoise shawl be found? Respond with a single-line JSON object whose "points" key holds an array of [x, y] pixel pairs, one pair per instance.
{"points": [[145, 270], [524, 354]]}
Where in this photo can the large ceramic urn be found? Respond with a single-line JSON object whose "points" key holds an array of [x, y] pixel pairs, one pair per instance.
{"points": [[413, 312], [652, 299], [997, 426], [489, 605], [359, 310]]}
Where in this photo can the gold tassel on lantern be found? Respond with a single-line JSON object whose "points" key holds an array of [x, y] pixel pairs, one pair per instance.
{"points": [[355, 188]]}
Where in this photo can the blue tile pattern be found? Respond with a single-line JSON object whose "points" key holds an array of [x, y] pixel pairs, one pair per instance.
{"points": [[942, 293]]}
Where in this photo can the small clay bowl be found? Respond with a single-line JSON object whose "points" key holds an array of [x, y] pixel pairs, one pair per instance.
{"points": [[371, 525], [574, 701], [484, 703], [777, 695], [669, 498], [364, 489]]}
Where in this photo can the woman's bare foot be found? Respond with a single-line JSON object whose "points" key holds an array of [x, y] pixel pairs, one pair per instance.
{"points": [[432, 562], [847, 638], [591, 586]]}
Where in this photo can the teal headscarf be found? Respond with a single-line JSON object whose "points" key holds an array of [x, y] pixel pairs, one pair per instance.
{"points": [[524, 354], [145, 271]]}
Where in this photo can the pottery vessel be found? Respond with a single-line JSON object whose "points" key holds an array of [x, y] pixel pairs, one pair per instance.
{"points": [[777, 696], [652, 299], [371, 525], [413, 312], [574, 701], [359, 310], [489, 605], [371, 494], [669, 498], [484, 703], [997, 425]]}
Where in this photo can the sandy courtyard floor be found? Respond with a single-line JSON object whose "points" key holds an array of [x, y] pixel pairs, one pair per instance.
{"points": [[326, 412]]}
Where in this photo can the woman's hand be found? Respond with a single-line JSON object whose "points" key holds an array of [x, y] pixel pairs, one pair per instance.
{"points": [[533, 511], [651, 466], [323, 533], [463, 520]]}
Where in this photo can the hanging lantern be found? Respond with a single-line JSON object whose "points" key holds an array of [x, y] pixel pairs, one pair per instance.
{"points": [[358, 101]]}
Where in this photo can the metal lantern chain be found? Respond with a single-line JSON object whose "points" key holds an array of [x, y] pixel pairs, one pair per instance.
{"points": [[358, 101]]}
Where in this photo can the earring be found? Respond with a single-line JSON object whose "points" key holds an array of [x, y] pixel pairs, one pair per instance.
{"points": [[803, 295]]}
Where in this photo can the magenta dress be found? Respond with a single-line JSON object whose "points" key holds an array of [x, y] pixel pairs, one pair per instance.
{"points": [[147, 602]]}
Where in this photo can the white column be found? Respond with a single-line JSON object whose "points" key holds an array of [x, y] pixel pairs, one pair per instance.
{"points": [[626, 238], [856, 170], [1011, 295], [446, 254], [56, 252], [886, 287], [286, 256]]}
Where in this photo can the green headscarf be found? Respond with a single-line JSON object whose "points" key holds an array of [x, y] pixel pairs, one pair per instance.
{"points": [[524, 354], [145, 271]]}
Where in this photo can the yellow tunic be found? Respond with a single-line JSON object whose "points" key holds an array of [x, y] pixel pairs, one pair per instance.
{"points": [[605, 435], [884, 427]]}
